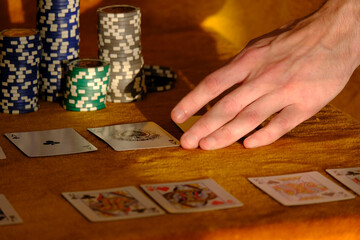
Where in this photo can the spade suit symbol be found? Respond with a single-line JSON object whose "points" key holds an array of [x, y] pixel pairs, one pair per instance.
{"points": [[49, 142]]}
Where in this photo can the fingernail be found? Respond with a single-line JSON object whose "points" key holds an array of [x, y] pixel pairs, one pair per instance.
{"points": [[178, 114], [190, 141]]}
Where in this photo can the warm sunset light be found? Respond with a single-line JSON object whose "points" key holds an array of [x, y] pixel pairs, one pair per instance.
{"points": [[16, 11]]}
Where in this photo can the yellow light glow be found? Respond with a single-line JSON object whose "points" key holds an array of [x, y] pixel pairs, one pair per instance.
{"points": [[224, 23], [89, 4], [16, 11]]}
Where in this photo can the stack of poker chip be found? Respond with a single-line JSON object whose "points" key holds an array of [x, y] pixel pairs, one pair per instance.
{"points": [[119, 43], [58, 23], [86, 85], [20, 51], [159, 78]]}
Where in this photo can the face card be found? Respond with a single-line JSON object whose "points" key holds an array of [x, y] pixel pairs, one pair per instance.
{"points": [[191, 196], [133, 136], [2, 154], [8, 215], [188, 123], [301, 188], [113, 204], [350, 177], [50, 142]]}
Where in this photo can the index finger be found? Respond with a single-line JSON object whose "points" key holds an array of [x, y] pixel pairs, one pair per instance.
{"points": [[209, 88]]}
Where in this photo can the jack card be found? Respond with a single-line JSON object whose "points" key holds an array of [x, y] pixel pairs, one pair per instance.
{"points": [[50, 142], [2, 154], [191, 196], [8, 215], [113, 204], [133, 136], [301, 188], [350, 177]]}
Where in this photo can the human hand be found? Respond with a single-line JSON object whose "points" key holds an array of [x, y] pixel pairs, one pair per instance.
{"points": [[295, 71]]}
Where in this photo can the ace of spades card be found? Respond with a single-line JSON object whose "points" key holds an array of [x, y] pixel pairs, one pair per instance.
{"points": [[301, 188], [8, 215], [133, 136], [113, 204], [350, 177], [191, 196], [50, 142]]}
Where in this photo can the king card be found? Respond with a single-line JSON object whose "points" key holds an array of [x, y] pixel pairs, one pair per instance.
{"points": [[191, 196], [50, 142], [8, 215], [2, 154], [350, 177], [133, 136], [113, 204], [301, 188]]}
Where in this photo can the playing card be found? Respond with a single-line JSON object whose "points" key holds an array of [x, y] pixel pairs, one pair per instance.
{"points": [[50, 142], [2, 154], [113, 204], [301, 188], [191, 196], [8, 215], [135, 136], [350, 177], [188, 123]]}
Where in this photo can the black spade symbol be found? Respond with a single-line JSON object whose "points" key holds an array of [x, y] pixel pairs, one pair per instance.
{"points": [[50, 142]]}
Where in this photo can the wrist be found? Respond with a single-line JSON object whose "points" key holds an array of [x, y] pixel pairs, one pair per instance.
{"points": [[341, 20]]}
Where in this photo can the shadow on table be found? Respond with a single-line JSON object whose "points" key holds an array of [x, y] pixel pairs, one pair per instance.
{"points": [[171, 36]]}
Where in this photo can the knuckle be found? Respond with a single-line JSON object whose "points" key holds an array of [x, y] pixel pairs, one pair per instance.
{"points": [[204, 126], [256, 50], [227, 134], [282, 123], [212, 84], [252, 116], [229, 106], [251, 53]]}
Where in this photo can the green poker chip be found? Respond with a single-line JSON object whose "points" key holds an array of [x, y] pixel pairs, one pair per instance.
{"points": [[87, 85]]}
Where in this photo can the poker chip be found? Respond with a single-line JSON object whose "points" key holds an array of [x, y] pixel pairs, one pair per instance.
{"points": [[86, 85], [58, 24], [20, 53], [119, 42], [159, 78]]}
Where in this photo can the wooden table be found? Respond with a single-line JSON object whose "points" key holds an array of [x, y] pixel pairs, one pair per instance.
{"points": [[33, 185]]}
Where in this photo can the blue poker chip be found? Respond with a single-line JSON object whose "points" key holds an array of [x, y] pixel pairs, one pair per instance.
{"points": [[19, 111], [18, 45], [29, 70], [57, 17], [33, 56], [18, 76], [20, 53], [61, 53], [19, 34], [58, 24], [63, 49], [62, 34]]}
